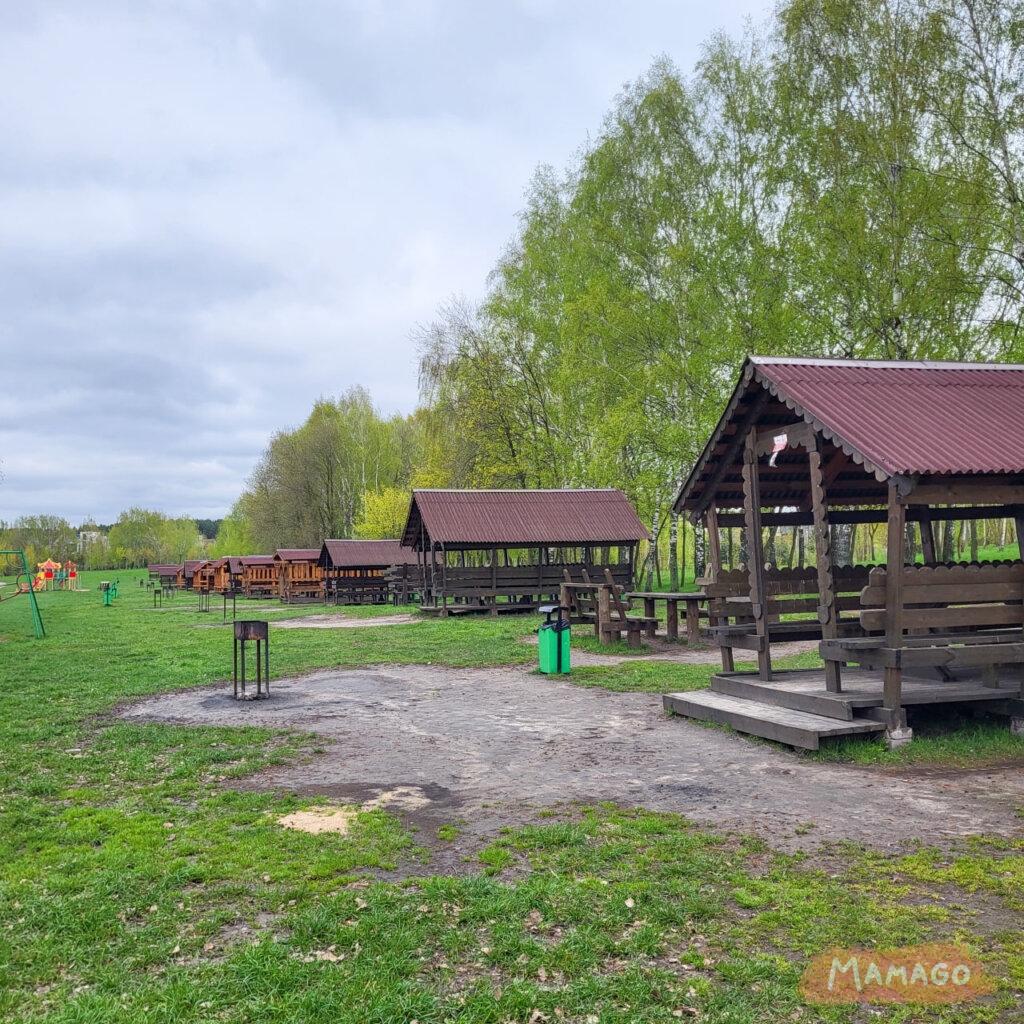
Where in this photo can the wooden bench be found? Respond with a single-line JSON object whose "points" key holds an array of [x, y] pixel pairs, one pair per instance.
{"points": [[619, 617], [602, 605], [793, 607], [951, 617]]}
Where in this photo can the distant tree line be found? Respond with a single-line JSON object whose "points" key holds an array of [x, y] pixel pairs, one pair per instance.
{"points": [[140, 537]]}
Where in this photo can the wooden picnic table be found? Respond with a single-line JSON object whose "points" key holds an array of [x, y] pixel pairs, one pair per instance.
{"points": [[691, 599]]}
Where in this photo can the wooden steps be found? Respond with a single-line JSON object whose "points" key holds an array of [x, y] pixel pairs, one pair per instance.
{"points": [[795, 707], [812, 699], [758, 718]]}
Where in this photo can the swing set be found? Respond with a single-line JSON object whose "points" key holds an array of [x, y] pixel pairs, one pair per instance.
{"points": [[25, 581]]}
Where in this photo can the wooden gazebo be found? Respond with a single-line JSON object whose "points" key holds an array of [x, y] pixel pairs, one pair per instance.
{"points": [[259, 576], [509, 550], [366, 571], [829, 444], [299, 574]]}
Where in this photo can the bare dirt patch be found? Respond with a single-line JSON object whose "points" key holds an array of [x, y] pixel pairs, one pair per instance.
{"points": [[339, 621], [335, 818], [490, 747]]}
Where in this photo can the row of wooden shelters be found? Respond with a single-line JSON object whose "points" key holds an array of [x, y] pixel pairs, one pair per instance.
{"points": [[461, 550], [827, 443]]}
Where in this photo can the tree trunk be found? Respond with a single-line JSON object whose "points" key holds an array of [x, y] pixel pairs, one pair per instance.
{"points": [[700, 553], [910, 543], [946, 547], [673, 551], [842, 539], [974, 540]]}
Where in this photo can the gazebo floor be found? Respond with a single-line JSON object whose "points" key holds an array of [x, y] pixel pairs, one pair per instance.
{"points": [[796, 708]]}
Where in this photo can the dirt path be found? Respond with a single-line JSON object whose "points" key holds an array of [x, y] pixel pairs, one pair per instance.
{"points": [[490, 746]]}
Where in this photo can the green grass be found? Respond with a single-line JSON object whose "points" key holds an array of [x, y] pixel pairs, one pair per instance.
{"points": [[138, 884]]}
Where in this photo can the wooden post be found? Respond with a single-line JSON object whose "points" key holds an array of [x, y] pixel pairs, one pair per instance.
{"points": [[755, 554], [604, 613], [893, 676], [828, 612], [494, 579], [715, 562], [444, 583]]}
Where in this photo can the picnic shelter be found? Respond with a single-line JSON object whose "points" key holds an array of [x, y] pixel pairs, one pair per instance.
{"points": [[365, 571], [510, 550], [825, 445]]}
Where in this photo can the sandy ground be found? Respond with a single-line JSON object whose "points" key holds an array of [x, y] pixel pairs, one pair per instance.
{"points": [[489, 747]]}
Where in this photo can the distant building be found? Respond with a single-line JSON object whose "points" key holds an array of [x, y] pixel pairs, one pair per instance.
{"points": [[90, 538]]}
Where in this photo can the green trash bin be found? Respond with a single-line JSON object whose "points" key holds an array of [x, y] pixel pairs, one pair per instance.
{"points": [[553, 641]]}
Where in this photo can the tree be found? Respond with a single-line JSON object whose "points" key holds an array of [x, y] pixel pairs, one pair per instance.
{"points": [[309, 484], [383, 514]]}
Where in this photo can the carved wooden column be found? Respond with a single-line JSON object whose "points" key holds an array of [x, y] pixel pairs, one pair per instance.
{"points": [[715, 560], [755, 554], [892, 686], [828, 611]]}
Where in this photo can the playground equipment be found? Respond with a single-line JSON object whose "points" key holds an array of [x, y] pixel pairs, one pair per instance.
{"points": [[28, 585], [47, 570]]}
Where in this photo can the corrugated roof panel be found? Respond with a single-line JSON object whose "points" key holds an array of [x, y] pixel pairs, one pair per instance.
{"points": [[525, 518], [911, 418], [296, 554], [257, 560], [354, 554]]}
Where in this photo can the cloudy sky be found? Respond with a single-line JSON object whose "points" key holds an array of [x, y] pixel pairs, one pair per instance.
{"points": [[213, 212]]}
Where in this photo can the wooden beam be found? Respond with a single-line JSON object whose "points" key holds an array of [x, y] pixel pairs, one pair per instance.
{"points": [[755, 553], [728, 458], [875, 515], [965, 492]]}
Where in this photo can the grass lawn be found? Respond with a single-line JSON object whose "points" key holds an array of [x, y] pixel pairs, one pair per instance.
{"points": [[137, 883]]}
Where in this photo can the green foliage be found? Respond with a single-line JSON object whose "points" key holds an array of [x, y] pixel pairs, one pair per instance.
{"points": [[40, 537], [309, 484], [383, 514], [142, 537]]}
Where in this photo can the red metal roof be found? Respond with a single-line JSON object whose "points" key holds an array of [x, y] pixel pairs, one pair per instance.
{"points": [[257, 560], [886, 422], [296, 554], [522, 518], [363, 554], [910, 418]]}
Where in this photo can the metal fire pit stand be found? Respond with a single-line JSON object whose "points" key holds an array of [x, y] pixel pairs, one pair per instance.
{"points": [[258, 630]]}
